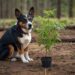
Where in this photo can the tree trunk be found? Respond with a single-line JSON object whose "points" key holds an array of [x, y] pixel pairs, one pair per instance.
{"points": [[58, 9], [70, 8], [0, 8]]}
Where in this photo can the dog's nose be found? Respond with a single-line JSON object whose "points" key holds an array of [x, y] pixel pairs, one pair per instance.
{"points": [[30, 26]]}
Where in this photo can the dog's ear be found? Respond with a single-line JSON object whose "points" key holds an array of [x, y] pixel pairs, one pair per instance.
{"points": [[30, 15], [17, 13]]}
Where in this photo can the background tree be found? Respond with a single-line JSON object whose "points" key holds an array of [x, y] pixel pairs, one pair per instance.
{"points": [[70, 8], [58, 8]]}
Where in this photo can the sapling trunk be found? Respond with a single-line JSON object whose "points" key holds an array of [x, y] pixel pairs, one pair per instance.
{"points": [[45, 71], [46, 52]]}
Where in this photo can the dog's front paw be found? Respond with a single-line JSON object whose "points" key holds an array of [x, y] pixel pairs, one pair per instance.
{"points": [[25, 61], [30, 59]]}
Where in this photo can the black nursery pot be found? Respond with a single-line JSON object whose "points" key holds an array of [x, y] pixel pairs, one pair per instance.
{"points": [[46, 62]]}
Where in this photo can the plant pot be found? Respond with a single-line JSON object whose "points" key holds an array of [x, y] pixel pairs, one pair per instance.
{"points": [[46, 62]]}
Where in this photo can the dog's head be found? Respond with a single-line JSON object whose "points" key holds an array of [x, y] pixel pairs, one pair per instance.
{"points": [[25, 21]]}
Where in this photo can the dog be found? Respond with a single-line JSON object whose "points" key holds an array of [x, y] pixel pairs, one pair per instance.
{"points": [[15, 41]]}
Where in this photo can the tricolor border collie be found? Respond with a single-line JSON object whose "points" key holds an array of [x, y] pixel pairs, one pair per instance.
{"points": [[14, 43]]}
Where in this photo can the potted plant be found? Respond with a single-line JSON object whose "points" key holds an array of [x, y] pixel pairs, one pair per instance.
{"points": [[48, 36]]}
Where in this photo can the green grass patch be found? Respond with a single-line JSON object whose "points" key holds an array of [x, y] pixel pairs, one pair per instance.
{"points": [[7, 22], [63, 21]]}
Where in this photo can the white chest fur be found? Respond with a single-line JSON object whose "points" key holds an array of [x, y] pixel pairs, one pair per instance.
{"points": [[25, 40]]}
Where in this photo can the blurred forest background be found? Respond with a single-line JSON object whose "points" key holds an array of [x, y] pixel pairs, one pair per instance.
{"points": [[60, 8]]}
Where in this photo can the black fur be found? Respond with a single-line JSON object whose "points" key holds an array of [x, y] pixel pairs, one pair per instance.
{"points": [[10, 37]]}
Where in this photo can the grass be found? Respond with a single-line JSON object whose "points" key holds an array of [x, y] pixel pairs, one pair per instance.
{"points": [[7, 22], [67, 21]]}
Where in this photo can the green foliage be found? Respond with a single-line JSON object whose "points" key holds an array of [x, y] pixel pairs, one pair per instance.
{"points": [[7, 22], [50, 13], [47, 31]]}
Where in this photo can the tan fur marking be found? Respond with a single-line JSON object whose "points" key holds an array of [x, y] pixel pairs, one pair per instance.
{"points": [[26, 49], [22, 50], [11, 51]]}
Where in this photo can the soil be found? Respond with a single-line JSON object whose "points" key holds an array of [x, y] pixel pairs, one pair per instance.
{"points": [[63, 59]]}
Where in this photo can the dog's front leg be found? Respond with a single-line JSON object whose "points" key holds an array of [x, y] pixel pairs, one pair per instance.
{"points": [[21, 52], [27, 54]]}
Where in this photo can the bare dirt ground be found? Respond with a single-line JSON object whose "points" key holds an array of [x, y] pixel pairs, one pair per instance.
{"points": [[63, 60]]}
